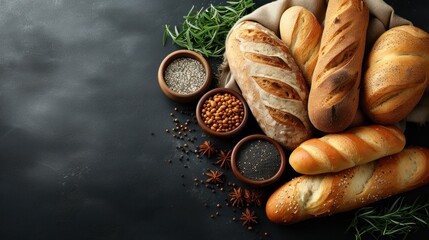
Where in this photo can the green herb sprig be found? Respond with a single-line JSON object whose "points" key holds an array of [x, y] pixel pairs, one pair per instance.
{"points": [[205, 31], [394, 221]]}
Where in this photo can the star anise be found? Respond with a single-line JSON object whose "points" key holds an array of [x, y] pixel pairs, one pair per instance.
{"points": [[207, 148], [236, 197], [253, 197], [248, 218], [214, 177], [224, 159]]}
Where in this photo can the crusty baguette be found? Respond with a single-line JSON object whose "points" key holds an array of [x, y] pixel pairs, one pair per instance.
{"points": [[270, 81], [310, 196], [334, 93], [397, 74], [301, 32], [337, 151]]}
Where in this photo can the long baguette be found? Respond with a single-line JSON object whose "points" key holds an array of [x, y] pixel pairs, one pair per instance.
{"points": [[311, 196], [337, 151], [334, 93]]}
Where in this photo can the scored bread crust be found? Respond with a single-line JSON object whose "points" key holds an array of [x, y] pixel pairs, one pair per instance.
{"points": [[270, 81], [397, 74], [338, 151], [334, 93], [320, 195], [301, 32]]}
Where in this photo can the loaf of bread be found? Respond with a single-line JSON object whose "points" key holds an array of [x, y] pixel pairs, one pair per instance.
{"points": [[338, 151], [270, 81], [310, 196], [397, 74], [301, 32], [334, 93]]}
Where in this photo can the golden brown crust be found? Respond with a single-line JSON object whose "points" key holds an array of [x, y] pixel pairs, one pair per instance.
{"points": [[338, 151], [277, 88], [334, 93], [301, 32], [286, 118], [397, 74], [311, 196], [270, 81]]}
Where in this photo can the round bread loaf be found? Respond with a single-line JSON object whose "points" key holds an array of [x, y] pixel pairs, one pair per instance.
{"points": [[397, 74]]}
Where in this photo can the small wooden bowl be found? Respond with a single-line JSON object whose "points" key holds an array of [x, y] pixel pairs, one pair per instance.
{"points": [[209, 131], [252, 181], [180, 97]]}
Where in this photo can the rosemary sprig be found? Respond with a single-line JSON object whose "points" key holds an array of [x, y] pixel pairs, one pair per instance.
{"points": [[205, 31], [396, 220]]}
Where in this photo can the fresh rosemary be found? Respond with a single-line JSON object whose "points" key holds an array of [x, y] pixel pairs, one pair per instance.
{"points": [[205, 31], [394, 221]]}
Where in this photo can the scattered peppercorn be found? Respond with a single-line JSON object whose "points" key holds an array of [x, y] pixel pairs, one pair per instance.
{"points": [[184, 124]]}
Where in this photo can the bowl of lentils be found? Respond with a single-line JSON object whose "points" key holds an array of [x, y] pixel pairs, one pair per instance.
{"points": [[184, 76], [258, 160], [222, 112]]}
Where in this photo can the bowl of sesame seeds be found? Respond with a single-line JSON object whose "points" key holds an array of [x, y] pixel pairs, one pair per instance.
{"points": [[184, 76], [222, 112]]}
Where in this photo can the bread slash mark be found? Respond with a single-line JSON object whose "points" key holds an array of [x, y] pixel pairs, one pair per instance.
{"points": [[285, 118], [342, 59], [277, 88], [267, 60], [344, 6], [379, 103], [252, 35], [331, 42], [338, 86], [298, 25], [365, 173]]}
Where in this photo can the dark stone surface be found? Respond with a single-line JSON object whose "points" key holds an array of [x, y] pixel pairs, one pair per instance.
{"points": [[83, 148]]}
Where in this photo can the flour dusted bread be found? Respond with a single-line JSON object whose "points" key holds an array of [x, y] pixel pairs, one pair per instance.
{"points": [[320, 195], [270, 81], [334, 93], [301, 32], [397, 74], [338, 151]]}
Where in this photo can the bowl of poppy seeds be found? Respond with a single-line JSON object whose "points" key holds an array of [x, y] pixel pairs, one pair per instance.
{"points": [[222, 112], [258, 160], [184, 76]]}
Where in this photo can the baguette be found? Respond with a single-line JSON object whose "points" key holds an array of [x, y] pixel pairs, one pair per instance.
{"points": [[311, 196], [270, 81], [397, 74], [337, 151], [301, 32], [334, 93]]}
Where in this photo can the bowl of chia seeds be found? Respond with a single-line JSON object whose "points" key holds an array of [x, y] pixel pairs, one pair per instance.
{"points": [[258, 160], [184, 76]]}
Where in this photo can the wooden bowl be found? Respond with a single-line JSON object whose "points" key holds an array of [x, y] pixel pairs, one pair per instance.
{"points": [[261, 162], [175, 95], [221, 134]]}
